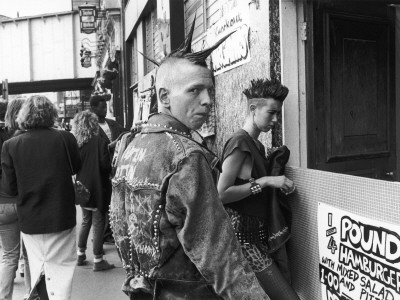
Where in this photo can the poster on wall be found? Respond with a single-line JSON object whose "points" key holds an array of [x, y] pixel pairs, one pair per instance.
{"points": [[359, 257], [235, 51]]}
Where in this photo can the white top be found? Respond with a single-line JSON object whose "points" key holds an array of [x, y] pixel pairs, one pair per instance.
{"points": [[106, 129]]}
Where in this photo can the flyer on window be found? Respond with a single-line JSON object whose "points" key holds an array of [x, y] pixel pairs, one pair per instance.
{"points": [[359, 256]]}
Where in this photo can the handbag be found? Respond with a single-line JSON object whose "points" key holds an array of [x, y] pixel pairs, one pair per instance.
{"points": [[82, 193]]}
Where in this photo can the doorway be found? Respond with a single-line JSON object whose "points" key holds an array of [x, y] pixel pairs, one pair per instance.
{"points": [[351, 76]]}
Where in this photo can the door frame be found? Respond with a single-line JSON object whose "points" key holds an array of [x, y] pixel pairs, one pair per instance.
{"points": [[397, 90], [298, 75], [293, 75]]}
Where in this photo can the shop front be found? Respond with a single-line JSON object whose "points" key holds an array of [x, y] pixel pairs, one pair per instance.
{"points": [[340, 119], [104, 52]]}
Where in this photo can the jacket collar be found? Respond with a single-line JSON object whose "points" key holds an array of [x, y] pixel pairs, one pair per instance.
{"points": [[110, 123], [160, 122]]}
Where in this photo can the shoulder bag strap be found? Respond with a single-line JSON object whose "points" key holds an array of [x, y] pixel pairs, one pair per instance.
{"points": [[66, 149]]}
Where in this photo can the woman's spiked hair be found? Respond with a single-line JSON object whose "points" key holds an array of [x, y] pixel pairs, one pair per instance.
{"points": [[266, 88]]}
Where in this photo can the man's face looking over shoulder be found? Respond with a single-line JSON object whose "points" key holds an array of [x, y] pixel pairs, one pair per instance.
{"points": [[190, 93]]}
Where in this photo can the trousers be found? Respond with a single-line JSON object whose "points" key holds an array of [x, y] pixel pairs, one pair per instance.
{"points": [[97, 219], [10, 249]]}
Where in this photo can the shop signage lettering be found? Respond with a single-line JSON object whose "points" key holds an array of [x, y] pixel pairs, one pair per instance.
{"points": [[87, 12], [235, 51], [359, 257], [87, 24], [87, 18], [236, 19]]}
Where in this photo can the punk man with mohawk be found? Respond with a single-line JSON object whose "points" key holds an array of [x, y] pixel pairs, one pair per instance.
{"points": [[175, 238]]}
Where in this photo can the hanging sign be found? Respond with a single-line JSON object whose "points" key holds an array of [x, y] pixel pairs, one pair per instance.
{"points": [[359, 257], [87, 18], [235, 51]]}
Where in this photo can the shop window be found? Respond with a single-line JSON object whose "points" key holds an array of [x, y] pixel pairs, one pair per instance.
{"points": [[158, 47], [195, 8], [133, 58], [207, 13], [212, 12], [150, 35]]}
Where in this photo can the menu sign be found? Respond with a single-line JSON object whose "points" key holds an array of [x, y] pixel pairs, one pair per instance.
{"points": [[359, 257]]}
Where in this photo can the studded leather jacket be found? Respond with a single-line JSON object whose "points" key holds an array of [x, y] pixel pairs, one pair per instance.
{"points": [[174, 236]]}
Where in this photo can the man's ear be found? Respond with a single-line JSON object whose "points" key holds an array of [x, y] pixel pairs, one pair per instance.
{"points": [[252, 107], [163, 96]]}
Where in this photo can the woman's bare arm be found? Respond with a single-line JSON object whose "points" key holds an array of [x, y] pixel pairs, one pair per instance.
{"points": [[238, 164], [231, 169]]}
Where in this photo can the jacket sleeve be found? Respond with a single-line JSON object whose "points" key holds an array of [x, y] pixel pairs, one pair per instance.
{"points": [[116, 129], [8, 178], [104, 156], [205, 232]]}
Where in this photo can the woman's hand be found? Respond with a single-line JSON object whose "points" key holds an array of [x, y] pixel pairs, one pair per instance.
{"points": [[280, 182]]}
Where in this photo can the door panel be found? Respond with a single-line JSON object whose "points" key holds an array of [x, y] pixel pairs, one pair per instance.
{"points": [[353, 91], [358, 98]]}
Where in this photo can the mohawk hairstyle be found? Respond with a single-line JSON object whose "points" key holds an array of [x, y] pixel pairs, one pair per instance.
{"points": [[265, 88], [185, 50]]}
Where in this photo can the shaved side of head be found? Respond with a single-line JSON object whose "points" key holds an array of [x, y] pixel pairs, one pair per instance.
{"points": [[166, 74]]}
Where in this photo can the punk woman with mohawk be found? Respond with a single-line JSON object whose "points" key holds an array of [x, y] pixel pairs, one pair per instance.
{"points": [[245, 189]]}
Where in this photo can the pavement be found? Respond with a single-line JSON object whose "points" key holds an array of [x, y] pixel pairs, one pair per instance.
{"points": [[89, 285]]}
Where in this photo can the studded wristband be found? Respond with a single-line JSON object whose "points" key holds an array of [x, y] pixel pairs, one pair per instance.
{"points": [[255, 187]]}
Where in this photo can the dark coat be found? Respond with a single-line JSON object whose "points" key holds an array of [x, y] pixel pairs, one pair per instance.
{"points": [[279, 215], [115, 129], [95, 172], [36, 168]]}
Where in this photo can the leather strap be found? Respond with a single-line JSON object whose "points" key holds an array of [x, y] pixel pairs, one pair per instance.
{"points": [[66, 149]]}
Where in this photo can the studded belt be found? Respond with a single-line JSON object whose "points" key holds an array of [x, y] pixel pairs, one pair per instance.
{"points": [[252, 237]]}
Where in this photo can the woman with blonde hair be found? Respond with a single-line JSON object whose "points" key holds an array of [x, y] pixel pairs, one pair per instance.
{"points": [[37, 170], [94, 174]]}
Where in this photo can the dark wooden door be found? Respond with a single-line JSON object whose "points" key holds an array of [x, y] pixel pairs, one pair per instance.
{"points": [[353, 114]]}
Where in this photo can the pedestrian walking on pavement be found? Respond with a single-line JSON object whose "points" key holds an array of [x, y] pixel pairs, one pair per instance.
{"points": [[12, 129], [9, 228], [109, 130], [94, 174], [36, 169]]}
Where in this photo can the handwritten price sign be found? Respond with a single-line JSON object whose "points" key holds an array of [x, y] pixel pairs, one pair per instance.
{"points": [[359, 257]]}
